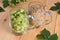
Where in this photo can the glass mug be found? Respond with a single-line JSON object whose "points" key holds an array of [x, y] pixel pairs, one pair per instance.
{"points": [[37, 16]]}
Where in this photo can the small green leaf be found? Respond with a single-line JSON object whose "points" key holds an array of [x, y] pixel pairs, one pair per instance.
{"points": [[40, 37], [14, 2], [58, 11], [23, 0], [45, 33], [57, 5], [5, 3], [1, 9], [53, 8], [11, 4], [53, 37], [17, 0]]}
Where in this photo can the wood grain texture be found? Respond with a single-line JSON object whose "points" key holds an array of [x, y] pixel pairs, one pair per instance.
{"points": [[57, 29], [6, 32]]}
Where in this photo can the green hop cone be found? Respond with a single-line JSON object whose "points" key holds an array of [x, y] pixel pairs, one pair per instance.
{"points": [[19, 21]]}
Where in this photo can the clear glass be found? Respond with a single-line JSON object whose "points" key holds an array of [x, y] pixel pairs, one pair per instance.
{"points": [[39, 16], [19, 21], [20, 6]]}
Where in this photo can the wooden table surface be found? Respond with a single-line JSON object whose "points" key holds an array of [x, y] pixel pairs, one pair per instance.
{"points": [[6, 32]]}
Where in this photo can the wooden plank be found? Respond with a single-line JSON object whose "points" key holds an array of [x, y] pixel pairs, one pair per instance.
{"points": [[5, 31], [57, 29]]}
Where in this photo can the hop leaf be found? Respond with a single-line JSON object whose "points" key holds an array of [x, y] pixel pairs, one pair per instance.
{"points": [[40, 37], [23, 0], [1, 9], [56, 7], [5, 3], [53, 8], [45, 33], [17, 0], [53, 37], [14, 2]]}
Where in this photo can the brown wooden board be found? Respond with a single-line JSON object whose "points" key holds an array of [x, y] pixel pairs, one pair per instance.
{"points": [[6, 32]]}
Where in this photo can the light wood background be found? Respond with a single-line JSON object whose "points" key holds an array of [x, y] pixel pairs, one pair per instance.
{"points": [[6, 32]]}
